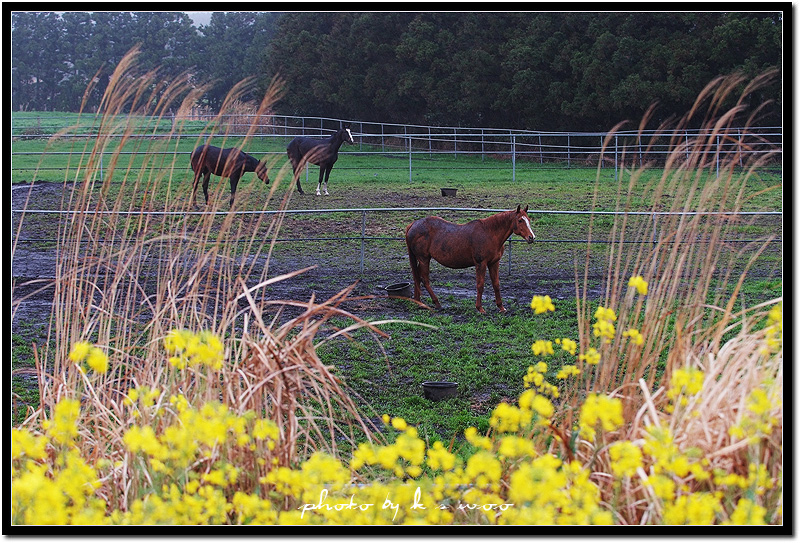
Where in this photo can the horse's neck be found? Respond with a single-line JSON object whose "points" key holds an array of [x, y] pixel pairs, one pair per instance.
{"points": [[502, 224], [337, 140]]}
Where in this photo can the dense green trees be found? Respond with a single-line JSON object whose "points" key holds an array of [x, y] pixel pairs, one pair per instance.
{"points": [[547, 71], [544, 71]]}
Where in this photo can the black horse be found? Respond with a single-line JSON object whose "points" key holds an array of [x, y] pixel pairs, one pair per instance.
{"points": [[323, 153], [230, 162]]}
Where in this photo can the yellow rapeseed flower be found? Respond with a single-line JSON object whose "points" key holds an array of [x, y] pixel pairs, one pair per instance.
{"points": [[24, 443], [635, 336], [748, 512], [567, 371], [604, 329], [79, 351], [605, 314], [440, 458], [399, 424], [97, 360], [603, 409], [568, 345], [626, 458], [542, 347], [591, 357], [542, 304], [639, 284], [63, 427]]}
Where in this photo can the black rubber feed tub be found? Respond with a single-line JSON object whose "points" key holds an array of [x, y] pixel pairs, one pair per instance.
{"points": [[399, 290], [439, 390]]}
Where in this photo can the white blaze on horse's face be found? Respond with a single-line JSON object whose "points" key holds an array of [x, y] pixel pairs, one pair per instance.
{"points": [[349, 136], [528, 224]]}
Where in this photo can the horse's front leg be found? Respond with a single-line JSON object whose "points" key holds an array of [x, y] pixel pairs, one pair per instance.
{"points": [[480, 274], [494, 275], [322, 179], [195, 182], [327, 176], [297, 171]]}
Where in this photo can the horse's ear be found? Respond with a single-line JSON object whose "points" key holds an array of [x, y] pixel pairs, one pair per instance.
{"points": [[519, 206], [526, 208]]}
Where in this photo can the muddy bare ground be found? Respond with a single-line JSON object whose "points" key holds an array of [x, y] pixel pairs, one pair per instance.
{"points": [[544, 267], [337, 266]]}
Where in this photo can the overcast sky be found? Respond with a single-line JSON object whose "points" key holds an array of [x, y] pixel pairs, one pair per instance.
{"points": [[200, 17]]}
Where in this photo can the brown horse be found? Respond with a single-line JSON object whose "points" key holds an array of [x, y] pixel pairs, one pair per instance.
{"points": [[230, 162], [478, 243]]}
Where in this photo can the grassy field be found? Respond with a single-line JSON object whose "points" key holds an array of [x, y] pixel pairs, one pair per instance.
{"points": [[487, 355], [190, 375]]}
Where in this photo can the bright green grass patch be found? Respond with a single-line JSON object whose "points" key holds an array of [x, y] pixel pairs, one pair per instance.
{"points": [[487, 355]]}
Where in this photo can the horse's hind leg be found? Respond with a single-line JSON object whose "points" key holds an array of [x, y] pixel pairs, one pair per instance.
{"points": [[480, 275], [425, 275]]}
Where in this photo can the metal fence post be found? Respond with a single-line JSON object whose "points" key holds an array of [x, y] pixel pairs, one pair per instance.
{"points": [[513, 157], [363, 233], [409, 159]]}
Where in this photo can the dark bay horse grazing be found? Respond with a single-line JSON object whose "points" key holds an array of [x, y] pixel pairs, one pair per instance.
{"points": [[230, 162], [478, 243], [323, 153]]}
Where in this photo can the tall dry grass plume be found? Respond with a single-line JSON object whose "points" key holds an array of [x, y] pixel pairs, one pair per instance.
{"points": [[692, 316], [137, 259]]}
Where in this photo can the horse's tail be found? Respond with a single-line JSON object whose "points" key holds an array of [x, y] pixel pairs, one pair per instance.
{"points": [[412, 258]]}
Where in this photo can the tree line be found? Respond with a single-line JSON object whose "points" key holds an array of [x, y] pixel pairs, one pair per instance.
{"points": [[538, 71]]}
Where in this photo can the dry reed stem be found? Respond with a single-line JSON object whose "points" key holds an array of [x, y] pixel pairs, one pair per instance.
{"points": [[689, 307], [126, 276]]}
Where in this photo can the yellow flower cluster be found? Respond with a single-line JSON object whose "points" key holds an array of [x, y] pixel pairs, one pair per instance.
{"points": [[542, 347], [542, 304], [683, 384], [57, 493], [634, 335], [568, 345], [591, 357], [62, 428], [604, 325], [667, 459], [603, 409], [773, 334], [94, 356], [626, 458], [404, 457], [535, 379], [190, 349], [193, 463], [639, 284], [759, 418]]}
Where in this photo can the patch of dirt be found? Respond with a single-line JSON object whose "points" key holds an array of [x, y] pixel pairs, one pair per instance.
{"points": [[338, 264]]}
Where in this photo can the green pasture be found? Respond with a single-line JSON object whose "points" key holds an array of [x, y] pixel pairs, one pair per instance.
{"points": [[488, 355]]}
